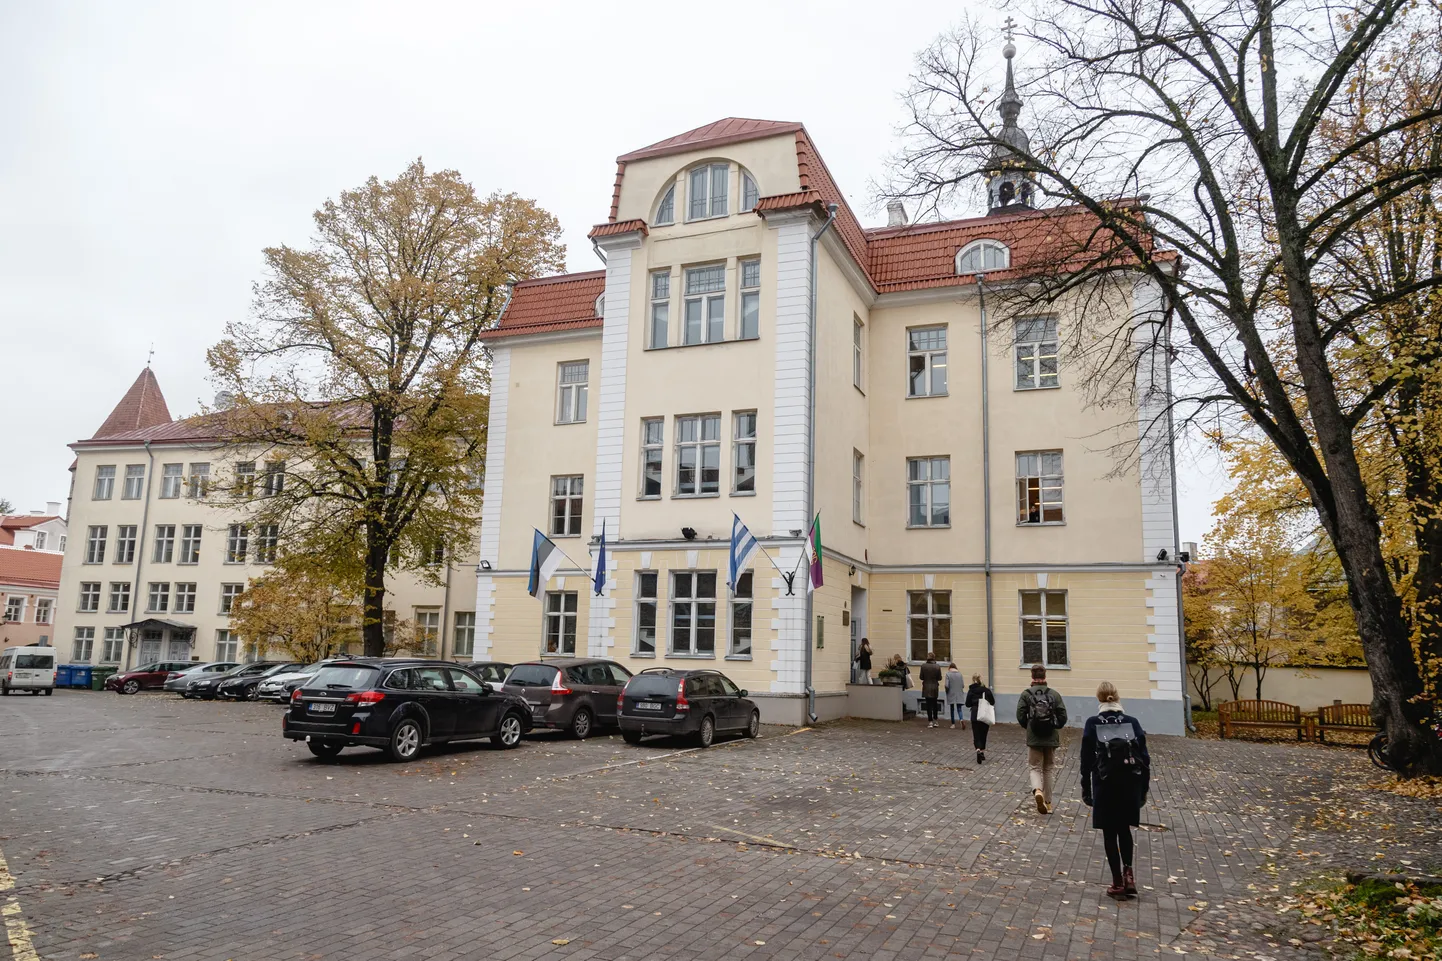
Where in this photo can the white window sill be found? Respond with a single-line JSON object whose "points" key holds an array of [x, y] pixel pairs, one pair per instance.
{"points": [[693, 497], [648, 497], [681, 655], [564, 537], [649, 654], [925, 396], [738, 657], [1019, 389], [929, 527], [1026, 666], [1041, 523], [697, 220], [567, 423], [743, 493]]}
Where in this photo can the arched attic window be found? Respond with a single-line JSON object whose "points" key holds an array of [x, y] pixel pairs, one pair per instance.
{"points": [[600, 305], [666, 208], [749, 192], [981, 256]]}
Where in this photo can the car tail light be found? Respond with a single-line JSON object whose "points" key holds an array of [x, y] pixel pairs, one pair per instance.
{"points": [[172, 675], [355, 728], [364, 697], [620, 701], [681, 703], [295, 694], [557, 687]]}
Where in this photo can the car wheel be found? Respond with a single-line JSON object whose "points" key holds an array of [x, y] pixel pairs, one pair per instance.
{"points": [[510, 733], [753, 727], [325, 750], [631, 737], [130, 687], [49, 691], [581, 725], [707, 734], [4, 691], [405, 741]]}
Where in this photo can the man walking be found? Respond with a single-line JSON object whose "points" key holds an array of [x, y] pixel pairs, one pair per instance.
{"points": [[1043, 713], [931, 687]]}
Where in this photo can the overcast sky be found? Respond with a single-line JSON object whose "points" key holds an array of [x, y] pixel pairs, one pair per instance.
{"points": [[148, 151]]}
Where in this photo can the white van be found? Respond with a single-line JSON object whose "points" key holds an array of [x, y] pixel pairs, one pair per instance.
{"points": [[28, 669]]}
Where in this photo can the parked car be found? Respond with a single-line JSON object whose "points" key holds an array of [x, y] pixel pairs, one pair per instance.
{"points": [[576, 694], [146, 677], [242, 686], [400, 705], [178, 682], [208, 688], [492, 672], [29, 668], [700, 703], [279, 687]]}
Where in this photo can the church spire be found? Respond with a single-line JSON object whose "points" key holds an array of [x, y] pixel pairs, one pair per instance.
{"points": [[1009, 187]]}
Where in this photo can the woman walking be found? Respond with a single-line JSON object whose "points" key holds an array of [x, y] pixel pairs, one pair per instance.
{"points": [[955, 695], [983, 705], [863, 662], [931, 687], [1115, 775]]}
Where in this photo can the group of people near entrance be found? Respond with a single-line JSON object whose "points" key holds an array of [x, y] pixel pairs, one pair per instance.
{"points": [[1115, 765]]}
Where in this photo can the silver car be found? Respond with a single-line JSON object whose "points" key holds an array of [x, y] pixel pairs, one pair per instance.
{"points": [[178, 682], [277, 687]]}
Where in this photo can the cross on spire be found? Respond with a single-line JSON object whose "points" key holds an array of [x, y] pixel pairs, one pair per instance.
{"points": [[151, 357], [1009, 28]]}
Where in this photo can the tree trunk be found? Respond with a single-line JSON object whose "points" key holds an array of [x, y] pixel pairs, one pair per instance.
{"points": [[1257, 671], [374, 602]]}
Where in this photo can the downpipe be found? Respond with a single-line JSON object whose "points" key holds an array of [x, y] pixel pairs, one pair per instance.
{"points": [[986, 484], [811, 448]]}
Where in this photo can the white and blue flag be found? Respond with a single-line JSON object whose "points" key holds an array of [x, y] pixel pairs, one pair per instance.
{"points": [[743, 545]]}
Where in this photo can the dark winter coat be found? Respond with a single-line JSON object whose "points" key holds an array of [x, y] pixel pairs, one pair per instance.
{"points": [[1023, 712], [863, 659], [930, 679], [974, 694], [1114, 805]]}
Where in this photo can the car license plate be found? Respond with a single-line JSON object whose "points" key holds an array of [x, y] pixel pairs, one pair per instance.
{"points": [[648, 706], [322, 708]]}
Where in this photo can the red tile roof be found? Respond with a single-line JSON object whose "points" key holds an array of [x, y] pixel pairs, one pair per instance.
{"points": [[624, 227], [564, 302], [815, 176], [721, 132], [806, 198], [142, 406], [30, 569], [10, 523]]}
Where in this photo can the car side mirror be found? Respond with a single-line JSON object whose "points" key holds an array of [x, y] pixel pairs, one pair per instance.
{"points": [[741, 693]]}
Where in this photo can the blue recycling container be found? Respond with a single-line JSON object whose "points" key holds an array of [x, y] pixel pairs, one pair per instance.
{"points": [[80, 675], [62, 675]]}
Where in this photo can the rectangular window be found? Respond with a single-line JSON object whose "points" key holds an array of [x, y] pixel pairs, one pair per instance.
{"points": [[660, 308], [741, 603], [928, 491], [199, 480], [158, 599], [245, 478], [89, 597], [237, 543], [926, 362], [190, 544], [646, 610], [705, 304], [274, 481], [465, 639], [267, 543], [707, 195], [653, 439], [113, 647], [185, 598], [750, 327], [743, 453], [84, 645], [857, 329], [1039, 487], [134, 482], [566, 505], [858, 464], [928, 622], [560, 622], [571, 391], [125, 535], [15, 608], [228, 594], [1043, 628], [44, 608], [119, 597], [428, 631], [104, 483], [698, 455], [164, 544], [693, 612], [41, 539], [95, 545], [171, 478], [226, 646], [1036, 343]]}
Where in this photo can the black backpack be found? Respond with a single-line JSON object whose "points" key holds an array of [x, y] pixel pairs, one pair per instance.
{"points": [[1041, 714], [1118, 755]]}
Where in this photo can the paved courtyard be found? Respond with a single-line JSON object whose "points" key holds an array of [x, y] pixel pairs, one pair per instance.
{"points": [[149, 827]]}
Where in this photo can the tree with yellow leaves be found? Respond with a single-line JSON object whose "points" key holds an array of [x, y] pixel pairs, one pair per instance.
{"points": [[297, 613]]}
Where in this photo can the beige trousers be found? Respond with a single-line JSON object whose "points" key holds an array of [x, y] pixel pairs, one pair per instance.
{"points": [[1039, 768]]}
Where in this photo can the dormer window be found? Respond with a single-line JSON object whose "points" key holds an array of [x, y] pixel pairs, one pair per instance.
{"points": [[666, 209], [981, 256], [601, 305], [706, 195], [749, 193]]}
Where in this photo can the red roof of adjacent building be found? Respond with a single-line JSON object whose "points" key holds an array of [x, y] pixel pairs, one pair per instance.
{"points": [[10, 523], [142, 406], [20, 568], [565, 302]]}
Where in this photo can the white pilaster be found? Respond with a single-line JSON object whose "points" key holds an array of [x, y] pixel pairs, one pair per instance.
{"points": [[788, 621], [491, 506], [793, 391]]}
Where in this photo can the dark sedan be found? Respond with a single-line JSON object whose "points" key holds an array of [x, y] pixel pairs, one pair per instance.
{"points": [[400, 705], [700, 703], [208, 688], [242, 686], [576, 694]]}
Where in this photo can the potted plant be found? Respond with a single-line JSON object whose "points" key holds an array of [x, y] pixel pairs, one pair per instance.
{"points": [[889, 676]]}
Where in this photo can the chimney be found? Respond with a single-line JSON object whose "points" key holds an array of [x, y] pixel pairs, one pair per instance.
{"points": [[895, 214], [52, 508], [1191, 548]]}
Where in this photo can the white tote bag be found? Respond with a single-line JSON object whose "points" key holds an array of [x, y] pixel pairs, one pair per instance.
{"points": [[985, 713]]}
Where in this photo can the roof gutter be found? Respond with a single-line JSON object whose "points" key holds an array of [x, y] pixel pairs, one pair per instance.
{"points": [[811, 443]]}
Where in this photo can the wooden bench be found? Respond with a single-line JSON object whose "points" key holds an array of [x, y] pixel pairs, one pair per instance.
{"points": [[1260, 714], [1356, 718]]}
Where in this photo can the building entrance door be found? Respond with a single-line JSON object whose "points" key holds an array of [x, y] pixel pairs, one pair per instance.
{"points": [[179, 649], [150, 641], [858, 629]]}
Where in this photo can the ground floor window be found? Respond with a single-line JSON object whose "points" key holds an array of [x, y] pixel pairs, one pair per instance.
{"points": [[693, 612], [226, 645], [428, 631], [1043, 628], [928, 621], [84, 645], [113, 648], [741, 603], [561, 622], [646, 605], [465, 640]]}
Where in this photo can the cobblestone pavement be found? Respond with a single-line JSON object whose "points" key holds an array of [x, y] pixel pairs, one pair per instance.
{"points": [[149, 827]]}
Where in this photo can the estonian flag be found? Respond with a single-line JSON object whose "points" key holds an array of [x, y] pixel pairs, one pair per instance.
{"points": [[545, 558], [743, 545], [598, 573]]}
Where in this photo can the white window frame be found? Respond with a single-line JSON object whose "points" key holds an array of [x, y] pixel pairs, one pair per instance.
{"points": [[927, 481], [82, 648], [1034, 343], [41, 539], [88, 601], [750, 192], [650, 447], [428, 630], [1043, 619], [742, 446], [272, 483], [184, 597], [858, 487], [932, 359], [690, 605], [463, 638], [95, 543], [15, 605], [665, 214], [748, 273], [44, 610], [245, 478], [198, 481], [228, 594], [237, 543], [858, 353], [104, 488], [651, 602], [125, 538], [743, 602], [164, 551], [982, 256], [172, 479], [555, 622], [119, 600], [710, 304], [267, 543], [568, 494], [112, 645], [711, 200], [227, 645], [659, 318], [190, 544], [571, 395], [1039, 477], [134, 488], [699, 447], [933, 619], [157, 597]]}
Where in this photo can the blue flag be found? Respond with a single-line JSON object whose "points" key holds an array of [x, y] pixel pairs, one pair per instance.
{"points": [[598, 574], [743, 545]]}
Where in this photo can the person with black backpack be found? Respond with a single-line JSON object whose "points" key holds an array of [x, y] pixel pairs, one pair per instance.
{"points": [[1116, 772], [1043, 713]]}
